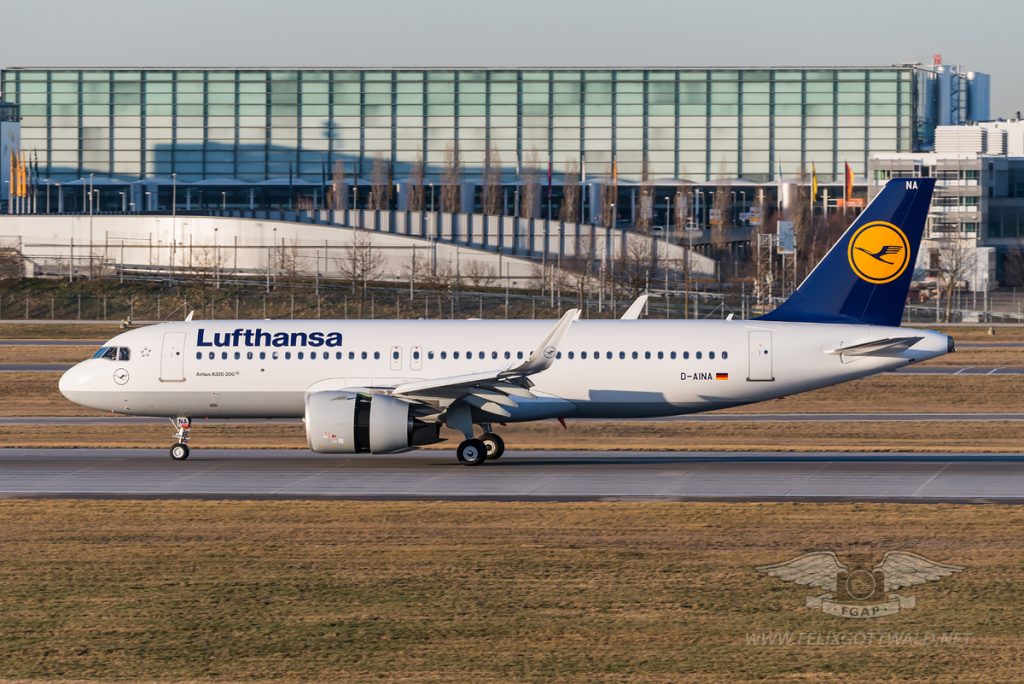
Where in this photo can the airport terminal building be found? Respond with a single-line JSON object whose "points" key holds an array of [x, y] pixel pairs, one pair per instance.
{"points": [[250, 137]]}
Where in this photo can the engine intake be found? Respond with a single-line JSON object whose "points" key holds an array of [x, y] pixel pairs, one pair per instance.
{"points": [[347, 422]]}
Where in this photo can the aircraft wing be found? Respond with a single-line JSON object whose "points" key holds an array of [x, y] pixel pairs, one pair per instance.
{"points": [[883, 347], [491, 390], [635, 309]]}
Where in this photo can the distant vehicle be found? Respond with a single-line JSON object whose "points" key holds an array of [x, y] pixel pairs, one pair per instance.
{"points": [[387, 386]]}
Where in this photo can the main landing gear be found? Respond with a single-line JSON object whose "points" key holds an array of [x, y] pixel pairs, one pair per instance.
{"points": [[488, 447], [179, 452]]}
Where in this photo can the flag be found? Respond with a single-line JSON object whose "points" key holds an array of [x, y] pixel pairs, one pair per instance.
{"points": [[22, 176], [615, 172], [583, 171], [814, 183], [848, 186]]}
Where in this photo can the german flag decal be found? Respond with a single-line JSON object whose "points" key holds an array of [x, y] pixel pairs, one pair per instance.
{"points": [[721, 376]]}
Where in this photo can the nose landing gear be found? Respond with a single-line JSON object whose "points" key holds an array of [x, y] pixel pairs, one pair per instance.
{"points": [[179, 452]]}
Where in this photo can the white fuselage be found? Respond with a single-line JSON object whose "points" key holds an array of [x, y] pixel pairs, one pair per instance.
{"points": [[656, 368]]}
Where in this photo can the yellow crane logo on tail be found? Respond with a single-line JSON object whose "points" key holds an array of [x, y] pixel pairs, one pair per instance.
{"points": [[879, 252]]}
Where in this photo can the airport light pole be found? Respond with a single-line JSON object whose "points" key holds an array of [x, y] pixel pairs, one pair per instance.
{"points": [[91, 273]]}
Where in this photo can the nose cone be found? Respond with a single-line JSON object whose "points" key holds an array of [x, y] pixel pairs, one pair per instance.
{"points": [[78, 384]]}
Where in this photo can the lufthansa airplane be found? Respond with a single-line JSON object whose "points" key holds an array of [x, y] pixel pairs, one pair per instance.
{"points": [[387, 386]]}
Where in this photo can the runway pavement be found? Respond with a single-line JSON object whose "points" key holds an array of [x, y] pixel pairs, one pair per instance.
{"points": [[694, 418], [556, 475], [964, 370]]}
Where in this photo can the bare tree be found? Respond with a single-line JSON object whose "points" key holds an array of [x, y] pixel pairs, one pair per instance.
{"points": [[491, 182], [609, 197], [209, 261], [288, 258], [440, 277], [720, 222], [480, 274], [1013, 267], [529, 184], [681, 209], [11, 266], [953, 264], [362, 262], [337, 197], [451, 190], [569, 211], [380, 186], [645, 216], [637, 264], [417, 178]]}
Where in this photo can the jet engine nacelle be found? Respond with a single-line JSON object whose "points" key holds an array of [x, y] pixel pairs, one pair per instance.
{"points": [[346, 422]]}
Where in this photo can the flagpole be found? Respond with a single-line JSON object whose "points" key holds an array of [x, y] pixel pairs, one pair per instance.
{"points": [[583, 186]]}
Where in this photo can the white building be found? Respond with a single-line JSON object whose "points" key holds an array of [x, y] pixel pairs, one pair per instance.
{"points": [[978, 208]]}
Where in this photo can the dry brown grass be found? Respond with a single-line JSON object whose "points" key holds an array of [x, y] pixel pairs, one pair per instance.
{"points": [[980, 333], [946, 436], [981, 357], [896, 393], [45, 354], [488, 592], [58, 331]]}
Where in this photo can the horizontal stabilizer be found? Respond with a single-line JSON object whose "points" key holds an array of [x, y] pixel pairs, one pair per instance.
{"points": [[886, 347]]}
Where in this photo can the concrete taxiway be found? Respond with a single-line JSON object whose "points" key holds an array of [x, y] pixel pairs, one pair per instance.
{"points": [[555, 475]]}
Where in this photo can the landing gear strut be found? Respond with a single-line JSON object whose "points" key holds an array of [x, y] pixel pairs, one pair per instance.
{"points": [[179, 452]]}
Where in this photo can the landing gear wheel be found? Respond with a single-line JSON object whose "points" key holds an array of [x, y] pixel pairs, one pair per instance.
{"points": [[472, 452], [179, 452], [495, 445]]}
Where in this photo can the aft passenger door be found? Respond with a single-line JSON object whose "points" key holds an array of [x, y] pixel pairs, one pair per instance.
{"points": [[760, 356], [172, 358], [396, 358]]}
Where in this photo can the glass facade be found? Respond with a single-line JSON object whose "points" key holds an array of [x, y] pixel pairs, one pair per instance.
{"points": [[258, 125]]}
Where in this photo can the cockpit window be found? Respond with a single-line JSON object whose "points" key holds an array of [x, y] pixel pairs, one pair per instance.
{"points": [[113, 353]]}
